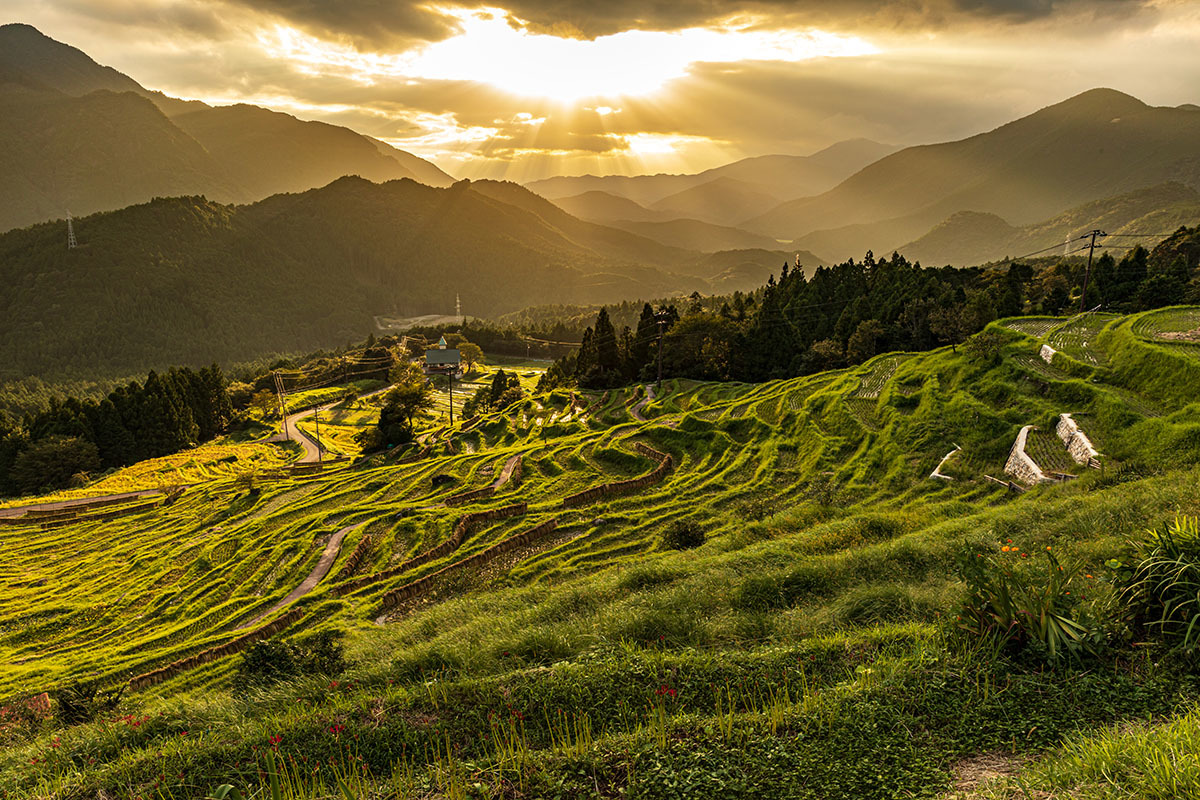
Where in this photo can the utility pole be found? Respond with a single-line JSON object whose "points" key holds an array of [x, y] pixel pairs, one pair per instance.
{"points": [[1088, 273], [661, 319], [317, 420], [450, 376], [282, 408]]}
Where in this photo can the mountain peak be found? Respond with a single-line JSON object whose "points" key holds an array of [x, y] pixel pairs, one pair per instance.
{"points": [[1101, 103], [57, 65]]}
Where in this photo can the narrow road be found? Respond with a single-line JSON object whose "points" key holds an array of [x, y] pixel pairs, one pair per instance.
{"points": [[308, 584], [640, 405], [312, 449]]}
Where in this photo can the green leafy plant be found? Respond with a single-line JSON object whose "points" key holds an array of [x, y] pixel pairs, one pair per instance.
{"points": [[1160, 587], [683, 535], [1019, 605]]}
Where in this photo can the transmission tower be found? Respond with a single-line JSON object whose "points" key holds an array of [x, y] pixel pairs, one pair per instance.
{"points": [[71, 243], [457, 307]]}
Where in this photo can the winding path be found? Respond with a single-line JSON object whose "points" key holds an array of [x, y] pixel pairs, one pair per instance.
{"points": [[506, 473], [640, 405], [58, 505], [308, 584]]}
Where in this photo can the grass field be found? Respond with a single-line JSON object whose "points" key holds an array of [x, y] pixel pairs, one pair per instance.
{"points": [[797, 648]]}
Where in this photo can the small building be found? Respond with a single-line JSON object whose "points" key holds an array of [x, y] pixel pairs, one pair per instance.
{"points": [[443, 360]]}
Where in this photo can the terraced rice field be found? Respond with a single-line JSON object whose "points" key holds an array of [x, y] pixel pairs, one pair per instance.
{"points": [[114, 599], [1036, 327], [1077, 338], [1175, 328], [1044, 447]]}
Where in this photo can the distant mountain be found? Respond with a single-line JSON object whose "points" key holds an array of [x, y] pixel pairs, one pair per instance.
{"points": [[84, 137], [603, 207], [969, 237], [747, 270], [717, 201], [696, 235], [92, 152], [1098, 144], [781, 176], [188, 280]]}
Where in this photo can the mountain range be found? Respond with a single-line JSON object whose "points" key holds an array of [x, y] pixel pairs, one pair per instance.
{"points": [[80, 137], [1096, 145]]}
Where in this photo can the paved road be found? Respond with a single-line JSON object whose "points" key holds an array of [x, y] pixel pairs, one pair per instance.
{"points": [[312, 449]]}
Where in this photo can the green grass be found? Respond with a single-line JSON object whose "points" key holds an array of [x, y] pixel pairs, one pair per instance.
{"points": [[805, 641]]}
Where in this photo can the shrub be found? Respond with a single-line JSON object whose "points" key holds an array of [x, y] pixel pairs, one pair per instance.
{"points": [[683, 535], [808, 581], [77, 704], [274, 660], [1160, 588], [1015, 604]]}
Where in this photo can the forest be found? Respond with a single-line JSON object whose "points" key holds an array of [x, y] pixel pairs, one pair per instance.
{"points": [[845, 314]]}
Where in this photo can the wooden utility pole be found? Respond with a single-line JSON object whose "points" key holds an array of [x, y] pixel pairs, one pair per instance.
{"points": [[661, 319], [1088, 273], [282, 408], [450, 376], [317, 435]]}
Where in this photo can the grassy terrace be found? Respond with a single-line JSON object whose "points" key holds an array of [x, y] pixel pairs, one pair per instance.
{"points": [[811, 622]]}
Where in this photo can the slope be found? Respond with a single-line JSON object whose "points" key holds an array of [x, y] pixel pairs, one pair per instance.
{"points": [[251, 152], [695, 235], [187, 280], [1098, 144], [599, 206], [971, 238], [543, 640], [718, 201], [780, 175], [99, 151]]}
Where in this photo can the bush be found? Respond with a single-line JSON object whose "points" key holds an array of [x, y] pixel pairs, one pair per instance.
{"points": [[77, 704], [1160, 588], [683, 535], [274, 660]]}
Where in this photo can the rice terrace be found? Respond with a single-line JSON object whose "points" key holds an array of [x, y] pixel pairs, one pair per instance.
{"points": [[708, 400]]}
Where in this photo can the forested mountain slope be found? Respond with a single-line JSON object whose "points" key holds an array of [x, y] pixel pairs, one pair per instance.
{"points": [[1098, 144], [188, 280], [81, 137]]}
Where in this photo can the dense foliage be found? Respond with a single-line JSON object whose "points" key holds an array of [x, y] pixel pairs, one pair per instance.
{"points": [[850, 312], [73, 438]]}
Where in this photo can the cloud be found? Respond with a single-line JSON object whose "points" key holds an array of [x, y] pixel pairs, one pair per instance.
{"points": [[371, 25]]}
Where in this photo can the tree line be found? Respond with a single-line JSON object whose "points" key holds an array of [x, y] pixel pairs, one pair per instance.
{"points": [[75, 438], [847, 313]]}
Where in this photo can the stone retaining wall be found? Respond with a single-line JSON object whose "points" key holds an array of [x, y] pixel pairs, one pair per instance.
{"points": [[465, 525], [1077, 442], [1020, 465], [213, 653], [421, 585]]}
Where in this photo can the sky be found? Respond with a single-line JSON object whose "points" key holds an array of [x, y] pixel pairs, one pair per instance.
{"points": [[525, 89]]}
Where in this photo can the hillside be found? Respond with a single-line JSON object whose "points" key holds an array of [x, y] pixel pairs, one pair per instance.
{"points": [[972, 238], [1099, 144], [717, 201], [782, 176], [601, 206], [545, 635], [188, 280], [86, 138], [695, 235]]}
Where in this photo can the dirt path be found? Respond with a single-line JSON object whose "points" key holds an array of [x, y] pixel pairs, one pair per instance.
{"points": [[506, 473], [640, 405], [308, 584]]}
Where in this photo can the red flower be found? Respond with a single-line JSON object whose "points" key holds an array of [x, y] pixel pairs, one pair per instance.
{"points": [[275, 740], [333, 684], [183, 733], [336, 729]]}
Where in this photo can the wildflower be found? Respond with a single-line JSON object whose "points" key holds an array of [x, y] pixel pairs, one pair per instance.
{"points": [[183, 733], [1089, 577], [333, 684], [1047, 547], [275, 740], [1004, 549]]}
